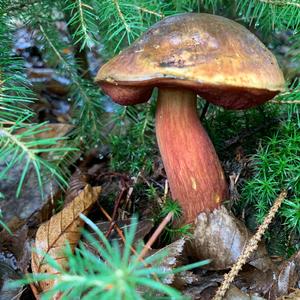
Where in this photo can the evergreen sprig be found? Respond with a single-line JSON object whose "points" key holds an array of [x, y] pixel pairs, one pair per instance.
{"points": [[124, 21], [86, 96], [19, 144], [83, 18], [110, 272], [270, 14]]}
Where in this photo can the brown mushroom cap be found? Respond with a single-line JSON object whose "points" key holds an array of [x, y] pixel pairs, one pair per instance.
{"points": [[216, 57]]}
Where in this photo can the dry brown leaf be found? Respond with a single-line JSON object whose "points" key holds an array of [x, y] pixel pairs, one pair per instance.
{"points": [[234, 293], [173, 259], [287, 279], [63, 227], [77, 183], [222, 237]]}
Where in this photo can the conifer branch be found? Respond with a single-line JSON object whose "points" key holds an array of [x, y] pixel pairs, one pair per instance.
{"points": [[20, 145], [270, 14], [83, 20], [117, 5], [89, 113], [148, 11]]}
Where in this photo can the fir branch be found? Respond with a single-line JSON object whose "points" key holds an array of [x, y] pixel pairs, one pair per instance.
{"points": [[83, 19], [270, 14], [148, 11], [17, 142], [86, 96], [285, 102], [293, 93], [19, 145], [123, 21], [65, 63], [121, 15]]}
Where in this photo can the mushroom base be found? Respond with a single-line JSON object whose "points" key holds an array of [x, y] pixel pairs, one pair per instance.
{"points": [[193, 169]]}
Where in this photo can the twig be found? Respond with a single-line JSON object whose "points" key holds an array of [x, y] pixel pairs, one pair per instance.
{"points": [[120, 233], [34, 290], [121, 16], [251, 246], [148, 11], [155, 235], [118, 229], [116, 206], [82, 18], [130, 190]]}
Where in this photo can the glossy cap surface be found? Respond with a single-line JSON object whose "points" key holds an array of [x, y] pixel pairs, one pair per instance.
{"points": [[216, 57]]}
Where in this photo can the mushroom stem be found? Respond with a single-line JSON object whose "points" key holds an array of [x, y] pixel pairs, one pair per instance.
{"points": [[193, 169]]}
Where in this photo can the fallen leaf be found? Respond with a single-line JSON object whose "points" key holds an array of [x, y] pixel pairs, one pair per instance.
{"points": [[271, 283], [220, 236], [287, 278], [234, 293], [253, 280], [63, 227], [174, 258], [143, 227], [206, 292], [205, 287], [77, 183]]}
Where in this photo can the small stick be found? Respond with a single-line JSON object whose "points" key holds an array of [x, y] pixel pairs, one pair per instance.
{"points": [[120, 233], [130, 190], [34, 289], [118, 229], [117, 204], [251, 246], [155, 235]]}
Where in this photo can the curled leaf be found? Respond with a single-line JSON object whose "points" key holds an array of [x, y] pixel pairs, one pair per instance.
{"points": [[62, 228], [222, 237]]}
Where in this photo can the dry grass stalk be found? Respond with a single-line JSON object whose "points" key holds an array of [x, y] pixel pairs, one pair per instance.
{"points": [[250, 248], [155, 235]]}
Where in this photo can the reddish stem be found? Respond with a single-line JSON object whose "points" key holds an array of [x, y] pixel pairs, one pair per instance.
{"points": [[194, 172]]}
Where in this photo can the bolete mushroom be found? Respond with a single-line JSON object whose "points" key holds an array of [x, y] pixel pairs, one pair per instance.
{"points": [[185, 55]]}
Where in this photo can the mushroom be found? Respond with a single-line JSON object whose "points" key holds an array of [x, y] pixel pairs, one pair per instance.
{"points": [[184, 56]]}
